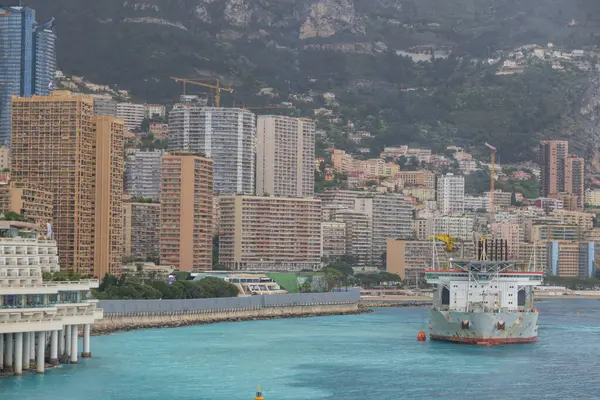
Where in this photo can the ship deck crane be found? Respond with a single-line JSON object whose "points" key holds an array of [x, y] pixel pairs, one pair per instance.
{"points": [[448, 241], [493, 151], [217, 88]]}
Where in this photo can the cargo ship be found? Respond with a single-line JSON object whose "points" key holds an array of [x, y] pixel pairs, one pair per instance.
{"points": [[487, 301]]}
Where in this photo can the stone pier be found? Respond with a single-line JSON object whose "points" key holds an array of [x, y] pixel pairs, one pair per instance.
{"points": [[143, 314]]}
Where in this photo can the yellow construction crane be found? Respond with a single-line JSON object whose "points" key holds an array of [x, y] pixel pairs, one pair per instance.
{"points": [[217, 88], [492, 176]]}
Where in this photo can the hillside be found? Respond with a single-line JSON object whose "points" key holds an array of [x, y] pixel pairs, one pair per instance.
{"points": [[348, 47]]}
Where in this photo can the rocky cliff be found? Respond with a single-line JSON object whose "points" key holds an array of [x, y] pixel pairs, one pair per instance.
{"points": [[299, 48]]}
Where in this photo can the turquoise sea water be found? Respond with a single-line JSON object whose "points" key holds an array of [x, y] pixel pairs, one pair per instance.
{"points": [[373, 356]]}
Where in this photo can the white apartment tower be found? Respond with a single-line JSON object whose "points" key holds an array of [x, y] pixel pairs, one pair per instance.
{"points": [[451, 194], [227, 135], [333, 239], [132, 115], [391, 218], [285, 156], [359, 235], [142, 173]]}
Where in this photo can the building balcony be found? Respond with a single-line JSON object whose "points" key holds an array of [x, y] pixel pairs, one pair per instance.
{"points": [[78, 285]]}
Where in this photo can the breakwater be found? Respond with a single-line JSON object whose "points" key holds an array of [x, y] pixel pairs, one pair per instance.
{"points": [[125, 315], [393, 303]]}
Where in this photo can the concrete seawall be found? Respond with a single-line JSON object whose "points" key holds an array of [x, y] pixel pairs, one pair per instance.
{"points": [[125, 315]]}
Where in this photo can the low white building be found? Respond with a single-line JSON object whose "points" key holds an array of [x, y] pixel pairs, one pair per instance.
{"points": [[154, 110], [37, 314]]}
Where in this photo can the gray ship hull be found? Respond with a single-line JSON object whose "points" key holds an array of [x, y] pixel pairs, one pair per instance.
{"points": [[483, 328]]}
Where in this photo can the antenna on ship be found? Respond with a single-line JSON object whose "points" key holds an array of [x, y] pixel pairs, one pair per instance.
{"points": [[259, 395]]}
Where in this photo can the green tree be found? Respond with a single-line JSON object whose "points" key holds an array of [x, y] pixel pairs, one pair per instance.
{"points": [[145, 127], [334, 278]]}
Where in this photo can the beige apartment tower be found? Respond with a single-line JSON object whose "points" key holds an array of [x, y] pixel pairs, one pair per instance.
{"points": [[108, 209], [141, 230], [552, 160], [270, 233], [52, 147], [58, 144], [27, 200], [285, 156], [186, 215], [575, 181]]}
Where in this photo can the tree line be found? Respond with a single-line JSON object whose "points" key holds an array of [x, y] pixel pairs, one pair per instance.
{"points": [[128, 287]]}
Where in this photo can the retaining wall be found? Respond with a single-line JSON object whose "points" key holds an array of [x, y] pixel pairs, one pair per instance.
{"points": [[122, 315]]}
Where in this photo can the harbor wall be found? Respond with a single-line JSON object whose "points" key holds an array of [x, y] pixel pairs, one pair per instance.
{"points": [[124, 315]]}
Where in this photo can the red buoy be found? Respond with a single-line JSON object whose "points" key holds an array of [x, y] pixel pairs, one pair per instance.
{"points": [[421, 337]]}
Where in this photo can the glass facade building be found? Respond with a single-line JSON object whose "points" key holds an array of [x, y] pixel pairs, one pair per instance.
{"points": [[27, 60]]}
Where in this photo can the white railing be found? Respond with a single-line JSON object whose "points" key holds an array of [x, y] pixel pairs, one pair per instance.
{"points": [[81, 282]]}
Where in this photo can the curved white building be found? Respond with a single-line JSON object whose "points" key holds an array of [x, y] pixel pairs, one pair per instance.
{"points": [[39, 321]]}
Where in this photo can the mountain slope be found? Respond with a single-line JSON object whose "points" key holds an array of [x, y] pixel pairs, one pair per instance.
{"points": [[140, 43], [347, 47]]}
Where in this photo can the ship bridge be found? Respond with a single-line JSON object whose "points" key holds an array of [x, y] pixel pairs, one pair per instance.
{"points": [[486, 286]]}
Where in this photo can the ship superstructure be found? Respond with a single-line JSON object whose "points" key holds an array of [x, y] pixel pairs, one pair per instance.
{"points": [[484, 301]]}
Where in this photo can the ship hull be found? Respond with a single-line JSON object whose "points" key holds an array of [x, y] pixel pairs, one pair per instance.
{"points": [[483, 328]]}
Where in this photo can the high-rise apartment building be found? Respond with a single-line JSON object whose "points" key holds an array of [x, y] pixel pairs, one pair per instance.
{"points": [[501, 200], [142, 173], [552, 159], [337, 197], [4, 158], [451, 194], [359, 235], [27, 60], [141, 230], [29, 201], [270, 233], [52, 146], [410, 258], [458, 226], [186, 211], [557, 232], [285, 156], [512, 234], [571, 259], [534, 254], [58, 145], [227, 135], [575, 180], [391, 217], [108, 189], [44, 59], [105, 105], [333, 240], [132, 114], [585, 220]]}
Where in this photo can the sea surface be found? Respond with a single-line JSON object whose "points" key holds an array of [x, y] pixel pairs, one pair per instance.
{"points": [[372, 356]]}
